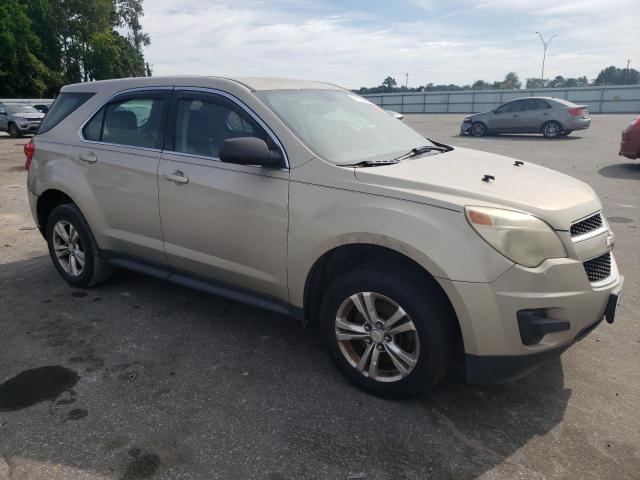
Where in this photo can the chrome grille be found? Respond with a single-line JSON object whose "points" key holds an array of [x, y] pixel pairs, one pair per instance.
{"points": [[587, 225], [598, 268]]}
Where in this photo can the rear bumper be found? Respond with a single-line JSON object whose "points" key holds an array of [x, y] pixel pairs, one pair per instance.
{"points": [[577, 124]]}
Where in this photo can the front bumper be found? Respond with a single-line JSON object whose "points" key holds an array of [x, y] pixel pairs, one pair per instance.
{"points": [[465, 128], [495, 349]]}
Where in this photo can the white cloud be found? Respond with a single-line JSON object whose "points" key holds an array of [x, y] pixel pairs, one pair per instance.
{"points": [[305, 39]]}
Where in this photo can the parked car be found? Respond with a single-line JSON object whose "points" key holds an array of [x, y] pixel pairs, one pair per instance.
{"points": [[42, 108], [399, 116], [18, 119], [552, 117], [630, 143], [308, 200]]}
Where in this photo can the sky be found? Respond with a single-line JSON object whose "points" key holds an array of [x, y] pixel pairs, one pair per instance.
{"points": [[360, 42]]}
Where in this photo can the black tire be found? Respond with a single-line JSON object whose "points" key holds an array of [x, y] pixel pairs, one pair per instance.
{"points": [[13, 131], [478, 129], [426, 308], [552, 129], [96, 269]]}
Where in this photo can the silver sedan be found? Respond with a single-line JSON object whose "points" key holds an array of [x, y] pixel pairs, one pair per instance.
{"points": [[552, 117]]}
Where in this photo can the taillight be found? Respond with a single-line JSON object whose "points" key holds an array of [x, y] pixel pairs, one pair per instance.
{"points": [[576, 112], [29, 150]]}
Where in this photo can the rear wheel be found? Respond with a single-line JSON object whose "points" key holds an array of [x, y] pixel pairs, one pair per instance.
{"points": [[478, 129], [73, 249], [13, 131], [552, 129], [387, 330]]}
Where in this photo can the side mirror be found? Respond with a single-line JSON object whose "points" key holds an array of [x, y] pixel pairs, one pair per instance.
{"points": [[249, 151], [497, 111]]}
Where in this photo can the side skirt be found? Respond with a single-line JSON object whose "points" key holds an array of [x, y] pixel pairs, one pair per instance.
{"points": [[204, 284]]}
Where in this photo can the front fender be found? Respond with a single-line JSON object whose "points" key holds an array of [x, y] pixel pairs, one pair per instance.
{"points": [[438, 239]]}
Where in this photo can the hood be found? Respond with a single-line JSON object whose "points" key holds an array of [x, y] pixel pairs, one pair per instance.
{"points": [[30, 116], [455, 179]]}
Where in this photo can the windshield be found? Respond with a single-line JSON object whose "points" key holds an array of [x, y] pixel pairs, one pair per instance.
{"points": [[13, 109], [340, 126]]}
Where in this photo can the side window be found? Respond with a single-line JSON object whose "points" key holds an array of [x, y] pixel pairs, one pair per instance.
{"points": [[65, 105], [541, 104], [93, 130], [510, 107], [204, 122], [133, 121]]}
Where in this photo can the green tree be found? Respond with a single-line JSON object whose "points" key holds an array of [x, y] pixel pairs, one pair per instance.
{"points": [[536, 82], [389, 84], [511, 81], [480, 85], [22, 73], [618, 76]]}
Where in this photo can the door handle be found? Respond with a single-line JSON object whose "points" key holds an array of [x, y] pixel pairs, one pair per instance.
{"points": [[177, 177], [88, 157]]}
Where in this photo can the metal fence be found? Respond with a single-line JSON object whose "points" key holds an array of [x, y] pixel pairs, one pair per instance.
{"points": [[614, 99]]}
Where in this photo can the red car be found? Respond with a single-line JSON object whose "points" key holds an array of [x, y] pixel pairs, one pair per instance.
{"points": [[630, 144]]}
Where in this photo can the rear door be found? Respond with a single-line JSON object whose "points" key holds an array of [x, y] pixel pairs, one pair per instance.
{"points": [[119, 153], [222, 221], [535, 112]]}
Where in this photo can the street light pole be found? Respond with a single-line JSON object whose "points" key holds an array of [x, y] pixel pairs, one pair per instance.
{"points": [[544, 53]]}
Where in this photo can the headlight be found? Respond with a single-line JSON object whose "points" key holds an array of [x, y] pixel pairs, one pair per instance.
{"points": [[466, 119], [22, 121], [520, 237]]}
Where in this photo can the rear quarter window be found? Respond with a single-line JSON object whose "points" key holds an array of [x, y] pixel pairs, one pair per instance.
{"points": [[65, 105]]}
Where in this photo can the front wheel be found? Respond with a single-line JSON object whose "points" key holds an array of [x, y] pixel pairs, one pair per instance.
{"points": [[387, 330], [73, 249], [13, 131], [552, 129], [478, 129]]}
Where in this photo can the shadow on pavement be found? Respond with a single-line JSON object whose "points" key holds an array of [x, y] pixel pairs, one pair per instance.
{"points": [[178, 384], [624, 171]]}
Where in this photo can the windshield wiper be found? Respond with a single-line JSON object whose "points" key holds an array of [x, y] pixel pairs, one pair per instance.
{"points": [[371, 163], [436, 147]]}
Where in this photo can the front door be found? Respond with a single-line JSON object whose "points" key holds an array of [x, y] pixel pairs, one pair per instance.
{"points": [[221, 221], [506, 119], [119, 155]]}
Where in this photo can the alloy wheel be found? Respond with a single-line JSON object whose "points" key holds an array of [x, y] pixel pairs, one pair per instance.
{"points": [[68, 248], [552, 129], [477, 130], [377, 337]]}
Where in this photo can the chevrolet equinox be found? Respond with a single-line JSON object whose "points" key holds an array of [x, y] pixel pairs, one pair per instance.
{"points": [[306, 199]]}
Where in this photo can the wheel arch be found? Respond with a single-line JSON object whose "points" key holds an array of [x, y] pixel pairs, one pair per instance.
{"points": [[47, 201], [342, 258]]}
